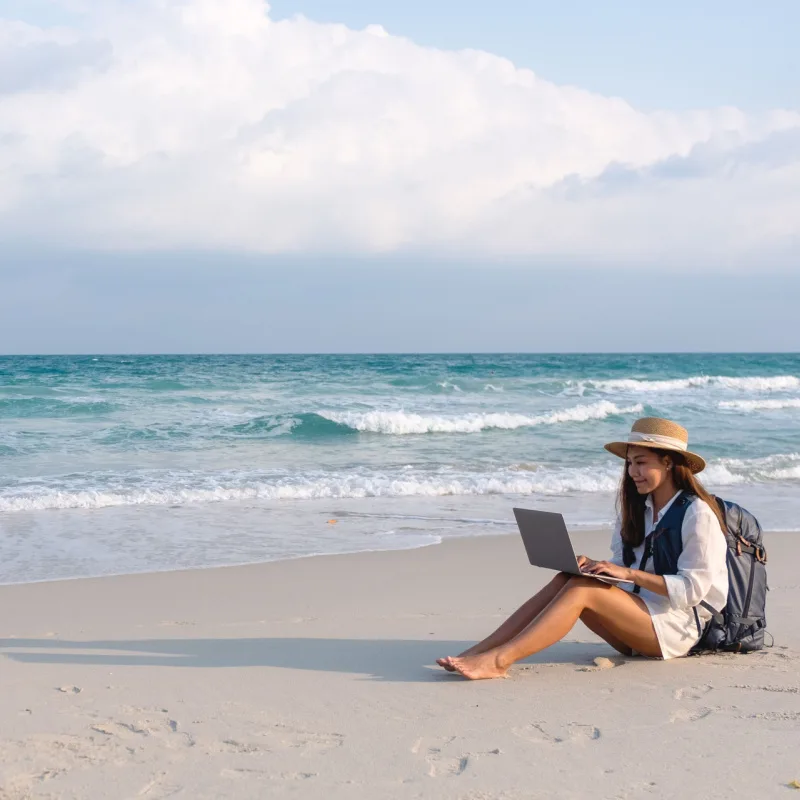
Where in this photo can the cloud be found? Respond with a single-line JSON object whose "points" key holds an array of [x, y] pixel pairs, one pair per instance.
{"points": [[30, 61], [205, 124]]}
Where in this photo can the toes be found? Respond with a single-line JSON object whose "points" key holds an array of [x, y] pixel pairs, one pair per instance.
{"points": [[475, 671], [462, 669]]}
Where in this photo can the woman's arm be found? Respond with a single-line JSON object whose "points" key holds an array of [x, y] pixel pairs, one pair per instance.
{"points": [[647, 580], [587, 564], [615, 567], [653, 583], [703, 546]]}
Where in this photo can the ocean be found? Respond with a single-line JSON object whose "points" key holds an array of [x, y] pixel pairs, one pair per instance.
{"points": [[122, 464]]}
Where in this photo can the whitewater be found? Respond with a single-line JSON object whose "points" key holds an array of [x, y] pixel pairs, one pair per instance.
{"points": [[117, 464]]}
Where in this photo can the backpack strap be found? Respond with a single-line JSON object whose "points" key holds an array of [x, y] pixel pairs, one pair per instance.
{"points": [[723, 508], [717, 616], [648, 549], [697, 622]]}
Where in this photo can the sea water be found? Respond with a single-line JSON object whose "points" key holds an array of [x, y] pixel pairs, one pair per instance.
{"points": [[118, 464]]}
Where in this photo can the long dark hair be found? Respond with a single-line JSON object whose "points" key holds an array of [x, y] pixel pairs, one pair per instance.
{"points": [[630, 504]]}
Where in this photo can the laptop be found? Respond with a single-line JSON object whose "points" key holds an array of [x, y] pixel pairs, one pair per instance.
{"points": [[548, 545]]}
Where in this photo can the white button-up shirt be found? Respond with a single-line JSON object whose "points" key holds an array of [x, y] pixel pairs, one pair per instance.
{"points": [[702, 575], [702, 565]]}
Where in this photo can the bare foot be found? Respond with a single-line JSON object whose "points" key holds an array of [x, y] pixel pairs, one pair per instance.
{"points": [[479, 667], [446, 661]]}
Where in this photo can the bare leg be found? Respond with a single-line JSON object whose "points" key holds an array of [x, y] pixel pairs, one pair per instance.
{"points": [[622, 615], [592, 622], [517, 622]]}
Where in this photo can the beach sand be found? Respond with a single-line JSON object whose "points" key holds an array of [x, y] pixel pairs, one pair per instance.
{"points": [[315, 678]]}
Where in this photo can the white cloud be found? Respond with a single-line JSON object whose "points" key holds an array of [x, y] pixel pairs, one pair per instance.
{"points": [[204, 124]]}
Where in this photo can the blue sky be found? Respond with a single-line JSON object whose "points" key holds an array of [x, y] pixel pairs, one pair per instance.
{"points": [[677, 54], [211, 182]]}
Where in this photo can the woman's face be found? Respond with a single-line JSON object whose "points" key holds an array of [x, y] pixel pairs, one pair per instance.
{"points": [[647, 469]]}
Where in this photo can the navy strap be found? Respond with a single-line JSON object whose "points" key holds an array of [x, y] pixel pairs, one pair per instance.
{"points": [[697, 622], [716, 615], [648, 549]]}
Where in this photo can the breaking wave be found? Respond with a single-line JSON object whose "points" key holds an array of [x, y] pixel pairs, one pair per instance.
{"points": [[93, 490], [399, 423], [331, 486], [731, 471]]}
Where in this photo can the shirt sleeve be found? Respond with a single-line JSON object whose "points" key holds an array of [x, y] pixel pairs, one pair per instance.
{"points": [[616, 545], [704, 547]]}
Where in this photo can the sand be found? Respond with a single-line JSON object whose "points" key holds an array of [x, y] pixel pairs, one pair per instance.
{"points": [[315, 678]]}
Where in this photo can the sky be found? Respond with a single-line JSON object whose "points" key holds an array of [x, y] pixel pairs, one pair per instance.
{"points": [[427, 163], [677, 55]]}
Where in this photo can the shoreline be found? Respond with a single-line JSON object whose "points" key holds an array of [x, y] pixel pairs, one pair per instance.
{"points": [[209, 567], [580, 528], [315, 678], [584, 527]]}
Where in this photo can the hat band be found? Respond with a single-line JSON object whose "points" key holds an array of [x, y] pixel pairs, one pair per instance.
{"points": [[656, 438]]}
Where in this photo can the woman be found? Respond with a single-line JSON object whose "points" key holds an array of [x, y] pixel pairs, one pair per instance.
{"points": [[658, 615]]}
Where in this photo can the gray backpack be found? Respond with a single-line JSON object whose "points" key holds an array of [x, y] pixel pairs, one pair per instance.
{"points": [[740, 626]]}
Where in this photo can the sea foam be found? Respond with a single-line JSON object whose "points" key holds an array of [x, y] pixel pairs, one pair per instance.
{"points": [[401, 423], [93, 490], [775, 383], [761, 405]]}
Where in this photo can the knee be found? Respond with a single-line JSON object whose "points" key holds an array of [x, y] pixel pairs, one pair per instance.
{"points": [[560, 579], [579, 583]]}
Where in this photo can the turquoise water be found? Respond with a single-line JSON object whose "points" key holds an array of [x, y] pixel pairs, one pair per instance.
{"points": [[121, 464]]}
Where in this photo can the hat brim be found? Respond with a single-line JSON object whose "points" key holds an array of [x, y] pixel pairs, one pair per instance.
{"points": [[695, 462]]}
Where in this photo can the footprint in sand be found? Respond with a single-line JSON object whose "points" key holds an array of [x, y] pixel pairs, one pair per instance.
{"points": [[308, 741], [542, 733], [439, 764], [21, 786], [692, 692], [448, 759], [163, 730], [691, 715]]}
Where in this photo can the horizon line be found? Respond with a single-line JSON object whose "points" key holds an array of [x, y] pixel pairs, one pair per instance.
{"points": [[277, 354]]}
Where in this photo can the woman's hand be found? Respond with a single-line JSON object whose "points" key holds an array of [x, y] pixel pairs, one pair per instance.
{"points": [[612, 570], [584, 562]]}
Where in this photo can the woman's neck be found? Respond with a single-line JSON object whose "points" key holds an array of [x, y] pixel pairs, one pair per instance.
{"points": [[661, 495]]}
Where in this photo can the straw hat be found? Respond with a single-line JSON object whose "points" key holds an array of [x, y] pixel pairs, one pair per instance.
{"points": [[659, 434]]}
